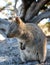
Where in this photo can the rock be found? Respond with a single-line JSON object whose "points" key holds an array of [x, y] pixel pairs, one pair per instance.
{"points": [[4, 25], [2, 35], [8, 51]]}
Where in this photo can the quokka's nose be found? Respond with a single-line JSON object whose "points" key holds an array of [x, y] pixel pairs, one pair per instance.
{"points": [[22, 46], [8, 36]]}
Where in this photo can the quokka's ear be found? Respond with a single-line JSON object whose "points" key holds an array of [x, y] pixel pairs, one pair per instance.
{"points": [[19, 21]]}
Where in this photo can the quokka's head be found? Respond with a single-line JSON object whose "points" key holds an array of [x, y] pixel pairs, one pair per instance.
{"points": [[19, 29], [16, 28]]}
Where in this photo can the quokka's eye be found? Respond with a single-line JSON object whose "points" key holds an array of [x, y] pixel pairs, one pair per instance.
{"points": [[24, 36]]}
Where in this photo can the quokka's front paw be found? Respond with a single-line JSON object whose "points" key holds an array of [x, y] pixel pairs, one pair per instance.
{"points": [[22, 57], [23, 60]]}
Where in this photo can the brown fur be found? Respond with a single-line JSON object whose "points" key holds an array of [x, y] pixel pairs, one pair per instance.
{"points": [[33, 41]]}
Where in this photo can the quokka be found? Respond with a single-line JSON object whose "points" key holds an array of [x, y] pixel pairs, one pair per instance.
{"points": [[33, 41]]}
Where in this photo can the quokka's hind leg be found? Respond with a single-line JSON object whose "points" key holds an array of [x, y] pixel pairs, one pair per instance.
{"points": [[42, 52]]}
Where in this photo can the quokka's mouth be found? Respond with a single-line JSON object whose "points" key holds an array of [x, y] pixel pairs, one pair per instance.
{"points": [[10, 35]]}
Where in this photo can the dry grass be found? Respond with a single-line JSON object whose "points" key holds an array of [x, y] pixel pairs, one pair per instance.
{"points": [[45, 28]]}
